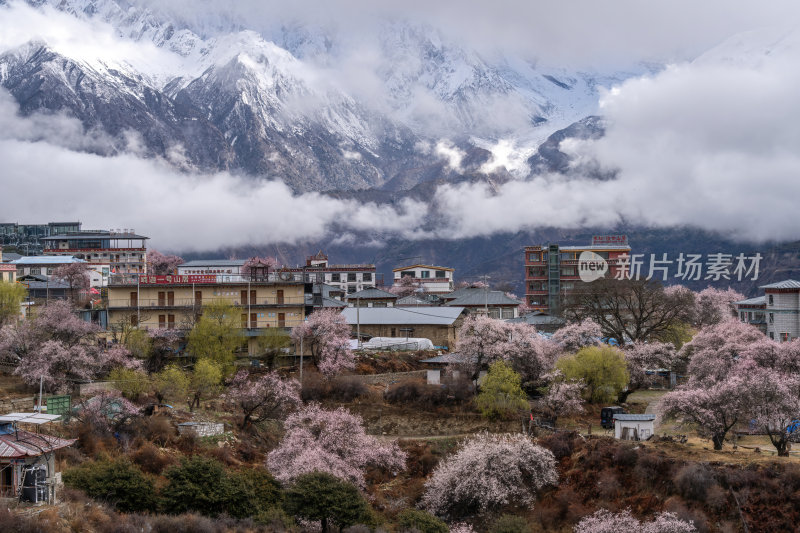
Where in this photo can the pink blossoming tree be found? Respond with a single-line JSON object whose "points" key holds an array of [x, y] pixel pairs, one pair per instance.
{"points": [[159, 264], [563, 398], [266, 396], [604, 521], [643, 356], [576, 335], [489, 471], [56, 346], [333, 442], [713, 306], [76, 275], [405, 286], [327, 334], [107, 411]]}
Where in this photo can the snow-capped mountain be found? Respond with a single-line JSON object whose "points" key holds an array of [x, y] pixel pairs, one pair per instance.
{"points": [[292, 101]]}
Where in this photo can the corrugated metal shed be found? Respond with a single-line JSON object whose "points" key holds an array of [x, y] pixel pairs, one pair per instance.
{"points": [[371, 294], [26, 444]]}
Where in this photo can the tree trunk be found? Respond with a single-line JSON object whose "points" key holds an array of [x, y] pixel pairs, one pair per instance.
{"points": [[622, 397], [717, 440]]}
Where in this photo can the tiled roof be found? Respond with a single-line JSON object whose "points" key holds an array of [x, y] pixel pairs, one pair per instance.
{"points": [[483, 298], [371, 293], [786, 284], [758, 300]]}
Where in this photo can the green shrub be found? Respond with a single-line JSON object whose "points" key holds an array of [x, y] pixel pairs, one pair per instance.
{"points": [[602, 368], [118, 482], [508, 523], [414, 519], [501, 395], [321, 496]]}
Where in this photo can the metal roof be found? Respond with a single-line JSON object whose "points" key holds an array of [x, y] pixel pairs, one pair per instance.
{"points": [[537, 319], [412, 301], [758, 300], [26, 444], [430, 316], [592, 247], [212, 263], [28, 418], [47, 260], [424, 266], [483, 298], [786, 284], [371, 293], [94, 235], [634, 418]]}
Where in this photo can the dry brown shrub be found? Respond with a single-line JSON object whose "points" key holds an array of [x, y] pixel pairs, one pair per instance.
{"points": [[150, 459]]}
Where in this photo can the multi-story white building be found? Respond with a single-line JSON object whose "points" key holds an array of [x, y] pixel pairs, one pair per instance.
{"points": [[432, 279], [349, 278], [43, 267], [782, 310], [227, 269]]}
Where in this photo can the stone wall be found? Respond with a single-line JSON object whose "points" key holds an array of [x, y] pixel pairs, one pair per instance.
{"points": [[17, 405], [202, 429], [392, 377]]}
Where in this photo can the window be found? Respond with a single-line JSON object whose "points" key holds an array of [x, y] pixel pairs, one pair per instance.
{"points": [[425, 274], [771, 318], [569, 271], [508, 312], [771, 335], [407, 273], [366, 276], [379, 304], [441, 274], [743, 316], [784, 337], [394, 333], [770, 300], [336, 277], [537, 272], [534, 256], [162, 321], [351, 276], [36, 271]]}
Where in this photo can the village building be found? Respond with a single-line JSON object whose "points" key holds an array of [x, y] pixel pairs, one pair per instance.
{"points": [[439, 324], [431, 279], [551, 270], [174, 302], [782, 310], [349, 278], [494, 304], [8, 272], [27, 459], [123, 250], [371, 297], [633, 427], [228, 269], [42, 268], [543, 322], [753, 311]]}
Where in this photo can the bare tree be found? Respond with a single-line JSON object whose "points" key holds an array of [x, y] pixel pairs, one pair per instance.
{"points": [[633, 310]]}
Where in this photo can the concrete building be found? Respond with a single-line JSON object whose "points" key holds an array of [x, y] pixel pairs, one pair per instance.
{"points": [[124, 251], [782, 310], [753, 311], [8, 272], [350, 278], [45, 265], [634, 427], [175, 302], [432, 279], [551, 270], [439, 324]]}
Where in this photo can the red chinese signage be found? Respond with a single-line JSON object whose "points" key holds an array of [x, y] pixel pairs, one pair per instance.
{"points": [[185, 278], [622, 240]]}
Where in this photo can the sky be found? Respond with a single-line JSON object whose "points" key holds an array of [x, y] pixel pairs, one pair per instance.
{"points": [[710, 140]]}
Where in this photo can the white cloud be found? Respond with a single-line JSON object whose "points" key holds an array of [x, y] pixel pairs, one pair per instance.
{"points": [[711, 144], [450, 153]]}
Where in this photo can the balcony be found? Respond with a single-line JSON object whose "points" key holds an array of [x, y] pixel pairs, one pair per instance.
{"points": [[183, 303]]}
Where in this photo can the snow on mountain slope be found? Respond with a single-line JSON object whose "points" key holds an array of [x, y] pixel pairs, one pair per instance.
{"points": [[295, 102]]}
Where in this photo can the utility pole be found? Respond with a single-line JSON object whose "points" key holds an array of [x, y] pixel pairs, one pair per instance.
{"points": [[301, 360], [358, 322], [486, 301]]}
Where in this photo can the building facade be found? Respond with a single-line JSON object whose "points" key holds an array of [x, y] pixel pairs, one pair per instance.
{"points": [[229, 269], [8, 272], [175, 302], [782, 310], [124, 251], [438, 324], [349, 278], [432, 279], [753, 311], [551, 270]]}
